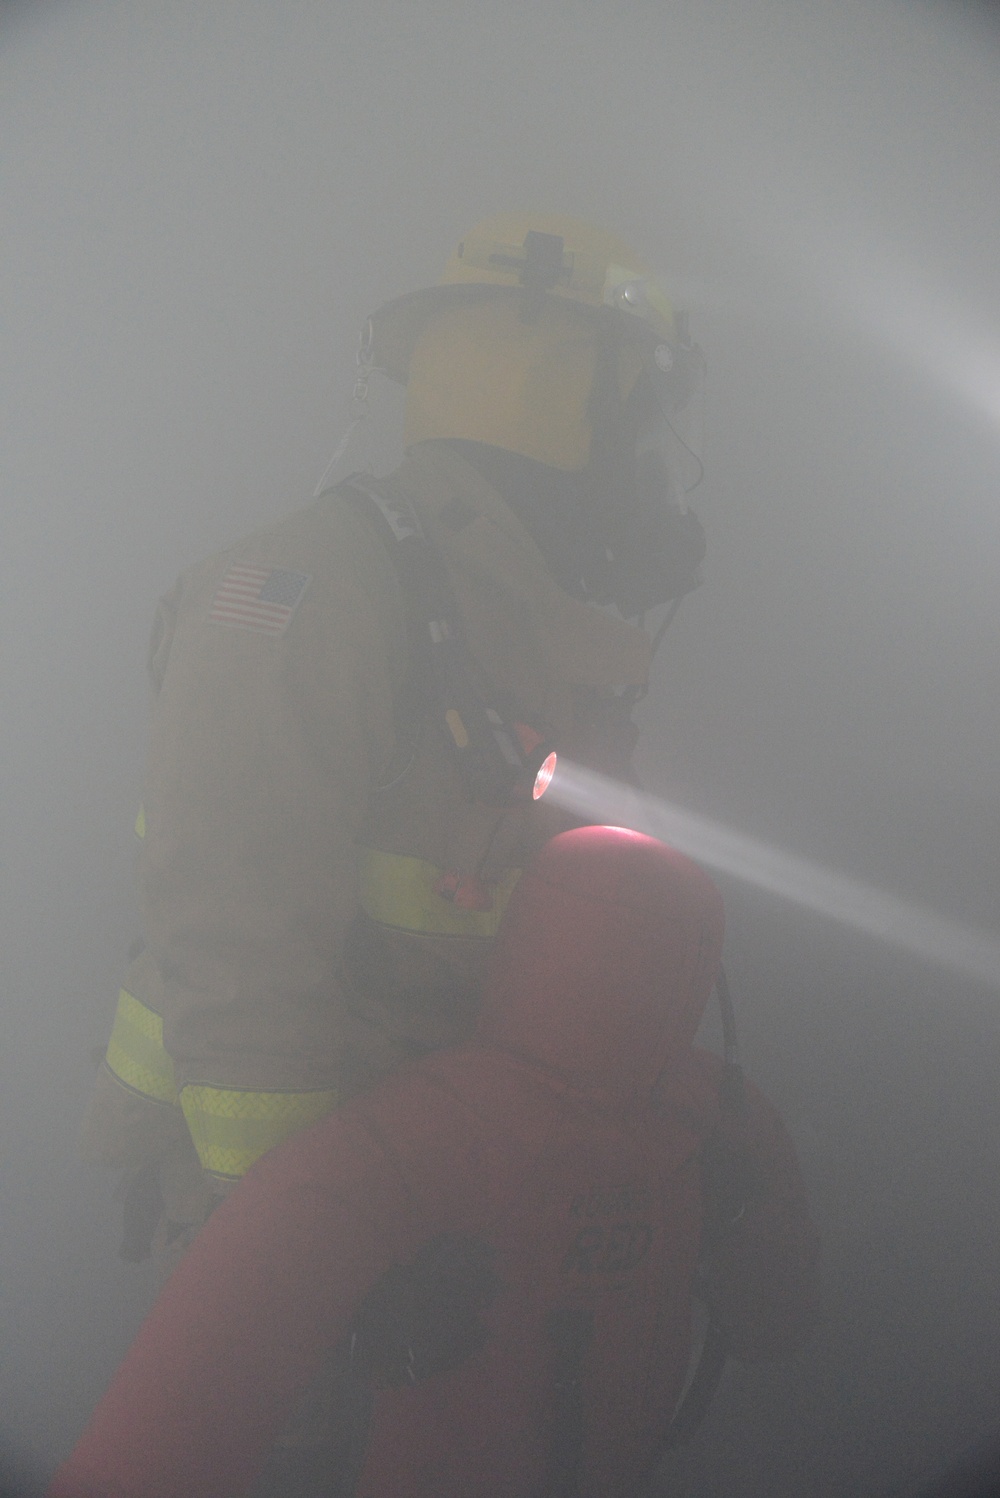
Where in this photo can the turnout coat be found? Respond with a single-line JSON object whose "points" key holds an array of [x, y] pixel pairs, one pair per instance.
{"points": [[284, 802], [560, 1152]]}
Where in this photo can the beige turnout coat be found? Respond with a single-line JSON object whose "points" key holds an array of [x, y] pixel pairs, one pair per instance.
{"points": [[277, 667]]}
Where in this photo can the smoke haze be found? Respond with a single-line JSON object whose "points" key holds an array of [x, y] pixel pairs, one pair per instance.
{"points": [[200, 202]]}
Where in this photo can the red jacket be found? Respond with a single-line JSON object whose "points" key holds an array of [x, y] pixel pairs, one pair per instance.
{"points": [[564, 1145]]}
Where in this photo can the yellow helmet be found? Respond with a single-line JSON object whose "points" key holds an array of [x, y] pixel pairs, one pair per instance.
{"points": [[543, 254], [499, 352]]}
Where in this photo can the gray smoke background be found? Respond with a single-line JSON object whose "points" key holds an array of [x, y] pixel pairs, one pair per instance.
{"points": [[200, 202]]}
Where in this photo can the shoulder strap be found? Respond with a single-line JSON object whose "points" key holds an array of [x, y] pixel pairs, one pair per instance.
{"points": [[396, 527], [495, 760], [398, 514]]}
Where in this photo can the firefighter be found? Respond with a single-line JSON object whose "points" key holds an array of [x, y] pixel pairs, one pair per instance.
{"points": [[493, 1251], [329, 835]]}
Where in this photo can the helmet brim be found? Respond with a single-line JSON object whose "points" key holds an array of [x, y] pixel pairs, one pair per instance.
{"points": [[397, 325]]}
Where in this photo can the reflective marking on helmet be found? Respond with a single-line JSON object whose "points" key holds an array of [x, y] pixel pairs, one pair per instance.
{"points": [[136, 1054], [543, 779], [140, 822], [639, 295], [630, 298], [232, 1127]]}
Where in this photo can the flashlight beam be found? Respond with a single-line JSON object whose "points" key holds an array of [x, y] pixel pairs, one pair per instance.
{"points": [[914, 928]]}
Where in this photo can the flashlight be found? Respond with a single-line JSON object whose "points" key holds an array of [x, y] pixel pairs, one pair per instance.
{"points": [[543, 778]]}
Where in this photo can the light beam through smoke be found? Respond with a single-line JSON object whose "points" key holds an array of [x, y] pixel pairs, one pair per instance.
{"points": [[915, 928]]}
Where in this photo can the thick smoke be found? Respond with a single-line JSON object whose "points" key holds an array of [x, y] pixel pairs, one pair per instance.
{"points": [[200, 203]]}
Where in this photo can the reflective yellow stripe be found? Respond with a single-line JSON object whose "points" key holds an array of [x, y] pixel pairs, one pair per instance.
{"points": [[232, 1128], [135, 1051], [399, 891], [140, 822]]}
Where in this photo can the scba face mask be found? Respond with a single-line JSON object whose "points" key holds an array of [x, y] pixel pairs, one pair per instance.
{"points": [[614, 465], [648, 546]]}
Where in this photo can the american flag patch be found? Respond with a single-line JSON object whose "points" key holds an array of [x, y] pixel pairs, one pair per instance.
{"points": [[260, 598]]}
